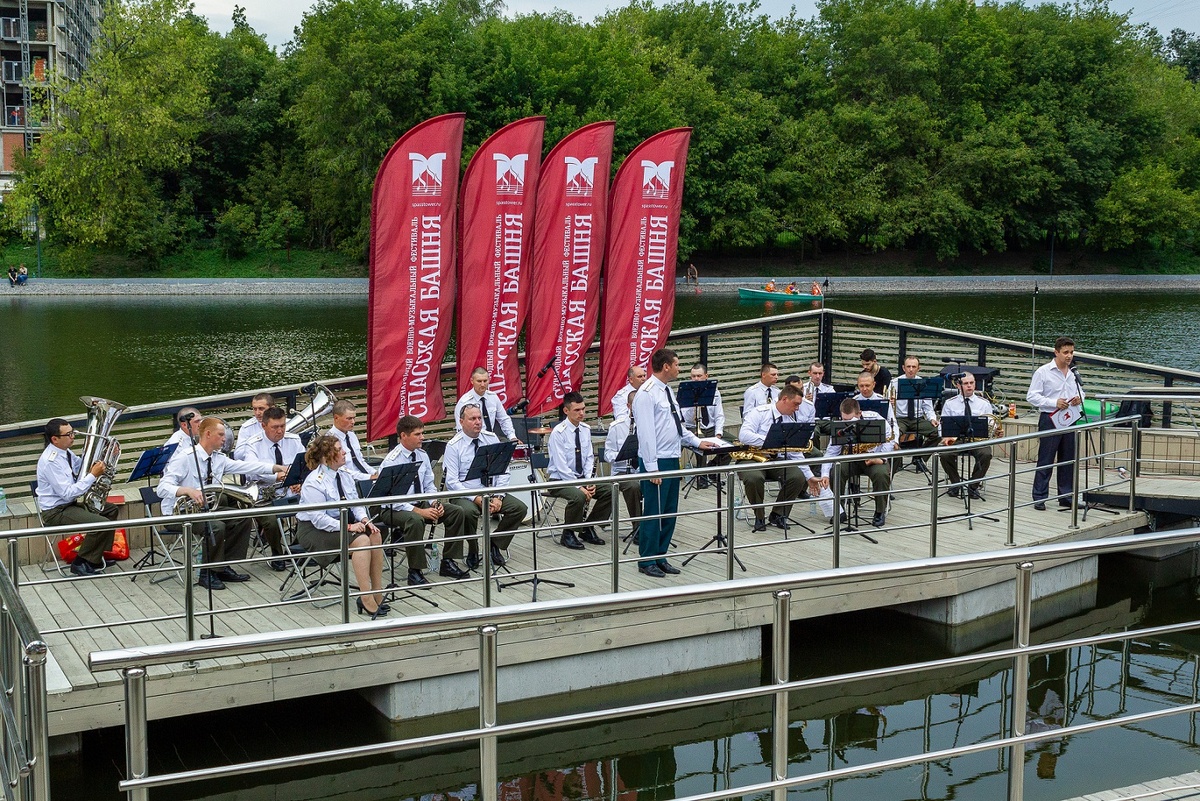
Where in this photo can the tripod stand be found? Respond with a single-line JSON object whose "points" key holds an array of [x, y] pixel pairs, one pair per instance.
{"points": [[536, 461], [965, 427], [719, 538], [851, 434]]}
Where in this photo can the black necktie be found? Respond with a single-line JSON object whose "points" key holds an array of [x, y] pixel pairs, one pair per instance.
{"points": [[705, 420], [413, 457], [337, 479], [487, 421], [354, 457], [675, 413], [910, 408], [278, 454], [208, 468], [578, 455], [770, 395]]}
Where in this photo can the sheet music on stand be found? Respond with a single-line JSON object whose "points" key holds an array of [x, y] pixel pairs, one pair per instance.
{"points": [[297, 472], [491, 461], [828, 404], [790, 436], [965, 426], [880, 407], [395, 479], [858, 432], [153, 462]]}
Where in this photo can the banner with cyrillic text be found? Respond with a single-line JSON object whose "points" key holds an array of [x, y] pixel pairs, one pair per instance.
{"points": [[568, 253], [414, 210], [499, 192], [639, 265]]}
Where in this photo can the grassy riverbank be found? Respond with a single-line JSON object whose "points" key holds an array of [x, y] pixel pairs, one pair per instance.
{"points": [[210, 263]]}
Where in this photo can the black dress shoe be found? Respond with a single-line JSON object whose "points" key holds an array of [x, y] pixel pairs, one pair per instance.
{"points": [[82, 567], [668, 568], [975, 494], [954, 492], [1064, 503], [415, 579], [473, 561], [209, 581], [590, 536], [879, 520], [652, 570], [450, 569], [569, 540], [278, 565], [1040, 506], [703, 483], [229, 574], [498, 558], [844, 518], [759, 524], [777, 521]]}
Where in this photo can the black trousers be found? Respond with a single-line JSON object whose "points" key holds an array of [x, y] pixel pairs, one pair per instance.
{"points": [[1054, 448]]}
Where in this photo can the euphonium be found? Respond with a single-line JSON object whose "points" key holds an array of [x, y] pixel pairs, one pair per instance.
{"points": [[244, 497], [100, 445], [306, 419]]}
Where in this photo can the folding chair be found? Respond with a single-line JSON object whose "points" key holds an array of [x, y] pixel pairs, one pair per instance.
{"points": [[60, 567], [546, 505], [158, 535], [312, 576]]}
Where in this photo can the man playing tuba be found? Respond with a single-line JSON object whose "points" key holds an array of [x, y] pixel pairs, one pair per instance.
{"points": [[61, 482]]}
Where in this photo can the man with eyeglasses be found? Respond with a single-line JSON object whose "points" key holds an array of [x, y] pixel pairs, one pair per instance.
{"points": [[61, 481]]}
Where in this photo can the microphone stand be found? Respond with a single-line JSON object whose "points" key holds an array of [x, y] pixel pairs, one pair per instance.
{"points": [[212, 541], [1087, 452]]}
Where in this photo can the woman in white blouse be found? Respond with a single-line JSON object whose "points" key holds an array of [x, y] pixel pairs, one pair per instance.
{"points": [[319, 531]]}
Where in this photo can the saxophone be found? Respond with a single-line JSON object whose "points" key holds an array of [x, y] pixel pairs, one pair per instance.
{"points": [[867, 447], [100, 445], [753, 453]]}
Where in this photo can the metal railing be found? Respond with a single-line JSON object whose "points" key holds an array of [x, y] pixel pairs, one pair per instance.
{"points": [[1151, 395], [489, 624], [725, 513], [24, 728]]}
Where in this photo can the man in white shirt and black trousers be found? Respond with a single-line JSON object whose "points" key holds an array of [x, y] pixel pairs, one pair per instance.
{"points": [[661, 437], [763, 391], [62, 479], [495, 418], [460, 452], [273, 444], [571, 458], [344, 415], [1055, 386], [792, 481]]}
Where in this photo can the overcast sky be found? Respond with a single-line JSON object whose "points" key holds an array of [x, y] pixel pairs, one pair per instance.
{"points": [[277, 18]]}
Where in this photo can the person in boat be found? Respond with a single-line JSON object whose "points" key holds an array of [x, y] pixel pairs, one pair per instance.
{"points": [[660, 442], [460, 452], [322, 531], [875, 469], [967, 403], [763, 391], [1054, 387], [815, 289], [635, 376], [495, 418], [408, 519], [571, 458], [792, 289], [618, 432], [223, 540], [770, 285], [62, 479], [258, 404], [870, 364], [915, 418], [275, 445]]}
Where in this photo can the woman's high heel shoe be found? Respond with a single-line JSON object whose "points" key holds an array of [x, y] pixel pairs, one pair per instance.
{"points": [[380, 612]]}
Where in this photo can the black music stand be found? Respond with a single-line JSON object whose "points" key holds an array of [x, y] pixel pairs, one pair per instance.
{"points": [[879, 405], [151, 463], [297, 471], [719, 538], [697, 395], [490, 461], [827, 409], [918, 389], [967, 426], [536, 461], [393, 481], [629, 453], [789, 436], [846, 434]]}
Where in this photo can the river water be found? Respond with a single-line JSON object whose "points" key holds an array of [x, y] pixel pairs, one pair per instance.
{"points": [[147, 349]]}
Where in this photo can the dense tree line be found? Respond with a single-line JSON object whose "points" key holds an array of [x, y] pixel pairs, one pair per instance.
{"points": [[938, 125]]}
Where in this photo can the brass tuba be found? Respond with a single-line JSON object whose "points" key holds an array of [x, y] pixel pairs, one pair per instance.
{"points": [[100, 445], [306, 419]]}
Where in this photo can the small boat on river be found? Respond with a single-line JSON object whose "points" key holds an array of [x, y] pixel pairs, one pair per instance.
{"points": [[765, 294]]}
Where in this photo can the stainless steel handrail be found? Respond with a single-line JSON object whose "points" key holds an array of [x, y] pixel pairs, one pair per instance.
{"points": [[23, 703], [490, 622]]}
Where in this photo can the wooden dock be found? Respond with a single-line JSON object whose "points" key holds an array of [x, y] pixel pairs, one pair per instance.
{"points": [[1171, 788], [80, 700]]}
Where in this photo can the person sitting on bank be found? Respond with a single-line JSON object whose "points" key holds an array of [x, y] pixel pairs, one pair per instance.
{"points": [[571, 458], [322, 530], [460, 452], [12, 276], [22, 275], [410, 519], [61, 481]]}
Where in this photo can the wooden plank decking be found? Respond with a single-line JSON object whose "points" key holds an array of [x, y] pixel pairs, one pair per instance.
{"points": [[81, 700], [1171, 788]]}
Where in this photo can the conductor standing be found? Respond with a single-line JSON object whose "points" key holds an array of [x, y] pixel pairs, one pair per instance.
{"points": [[1055, 386]]}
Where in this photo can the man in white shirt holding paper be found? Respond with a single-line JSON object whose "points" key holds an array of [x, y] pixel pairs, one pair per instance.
{"points": [[1055, 387]]}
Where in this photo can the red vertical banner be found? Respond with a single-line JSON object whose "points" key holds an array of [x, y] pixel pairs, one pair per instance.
{"points": [[411, 301], [568, 251], [639, 271], [499, 193]]}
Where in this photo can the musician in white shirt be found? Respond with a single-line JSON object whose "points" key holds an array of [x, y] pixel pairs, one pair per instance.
{"points": [[763, 391], [495, 418], [258, 404], [619, 431], [710, 422], [634, 378], [187, 422], [1055, 385], [791, 477], [274, 445], [914, 415], [62, 479], [223, 540], [344, 415], [460, 452], [876, 468], [967, 404], [410, 519], [570, 449]]}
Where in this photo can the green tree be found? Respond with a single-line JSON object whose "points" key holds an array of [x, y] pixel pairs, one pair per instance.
{"points": [[280, 228], [236, 230]]}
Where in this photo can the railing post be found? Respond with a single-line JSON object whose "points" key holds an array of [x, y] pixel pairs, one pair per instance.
{"points": [[617, 499], [1022, 614], [1011, 538], [934, 467], [766, 343], [347, 568], [14, 566], [704, 348], [1074, 480], [835, 485], [137, 751], [1103, 430], [488, 769], [729, 555], [38, 725], [189, 595], [486, 546], [730, 519], [780, 663], [1135, 444], [1168, 381]]}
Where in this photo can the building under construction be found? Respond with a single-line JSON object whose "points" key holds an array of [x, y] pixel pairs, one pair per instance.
{"points": [[38, 39]]}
